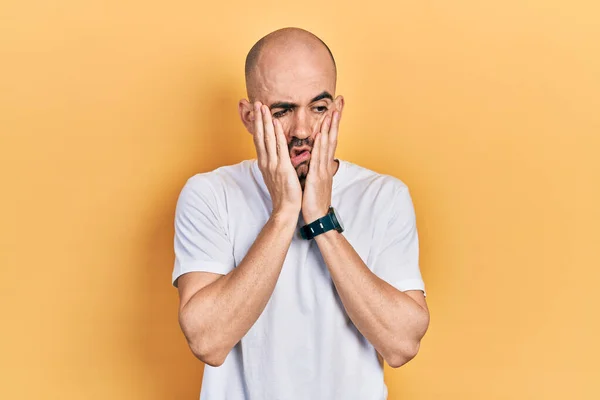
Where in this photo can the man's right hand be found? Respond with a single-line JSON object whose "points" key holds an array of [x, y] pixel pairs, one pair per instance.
{"points": [[274, 163], [216, 310]]}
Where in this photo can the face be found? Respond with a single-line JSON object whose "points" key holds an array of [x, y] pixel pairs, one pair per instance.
{"points": [[299, 90]]}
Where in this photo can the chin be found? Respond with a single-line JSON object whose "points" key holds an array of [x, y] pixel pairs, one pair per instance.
{"points": [[302, 170]]}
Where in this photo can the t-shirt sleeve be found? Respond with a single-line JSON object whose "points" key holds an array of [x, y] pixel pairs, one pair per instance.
{"points": [[397, 261], [201, 242]]}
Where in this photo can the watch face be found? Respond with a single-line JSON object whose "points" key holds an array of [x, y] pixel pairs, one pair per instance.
{"points": [[337, 221]]}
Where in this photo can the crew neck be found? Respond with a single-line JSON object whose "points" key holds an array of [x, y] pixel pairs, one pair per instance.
{"points": [[338, 177]]}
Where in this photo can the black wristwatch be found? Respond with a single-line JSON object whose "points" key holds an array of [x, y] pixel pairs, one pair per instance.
{"points": [[328, 222]]}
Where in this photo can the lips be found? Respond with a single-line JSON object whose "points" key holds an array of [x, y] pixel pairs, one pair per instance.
{"points": [[299, 155]]}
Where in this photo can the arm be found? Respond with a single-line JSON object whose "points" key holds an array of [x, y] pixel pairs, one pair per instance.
{"points": [[393, 321], [215, 316], [216, 311]]}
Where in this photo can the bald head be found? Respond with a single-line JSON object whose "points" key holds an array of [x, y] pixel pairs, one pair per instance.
{"points": [[291, 74], [279, 50]]}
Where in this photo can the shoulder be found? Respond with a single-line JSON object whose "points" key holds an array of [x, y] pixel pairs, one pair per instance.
{"points": [[219, 179], [362, 178], [211, 187]]}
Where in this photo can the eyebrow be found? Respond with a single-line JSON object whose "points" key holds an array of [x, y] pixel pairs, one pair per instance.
{"points": [[286, 105], [324, 95]]}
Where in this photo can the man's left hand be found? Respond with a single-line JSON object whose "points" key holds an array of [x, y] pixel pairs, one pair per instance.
{"points": [[316, 198]]}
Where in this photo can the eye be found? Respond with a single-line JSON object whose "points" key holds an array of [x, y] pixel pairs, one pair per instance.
{"points": [[320, 109], [281, 113]]}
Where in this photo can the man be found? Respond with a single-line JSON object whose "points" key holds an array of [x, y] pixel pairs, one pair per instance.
{"points": [[275, 308]]}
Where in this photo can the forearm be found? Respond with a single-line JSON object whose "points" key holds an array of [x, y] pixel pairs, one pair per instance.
{"points": [[392, 321], [220, 314]]}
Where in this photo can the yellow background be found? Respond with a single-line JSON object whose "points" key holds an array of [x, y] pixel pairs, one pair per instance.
{"points": [[489, 111]]}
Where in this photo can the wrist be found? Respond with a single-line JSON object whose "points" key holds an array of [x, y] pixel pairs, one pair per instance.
{"points": [[312, 217], [285, 216]]}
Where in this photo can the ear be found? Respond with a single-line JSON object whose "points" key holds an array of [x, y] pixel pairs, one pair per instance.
{"points": [[246, 110], [339, 103]]}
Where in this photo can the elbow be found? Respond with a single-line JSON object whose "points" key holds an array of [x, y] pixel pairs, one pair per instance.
{"points": [[208, 354], [203, 345], [401, 356], [406, 350]]}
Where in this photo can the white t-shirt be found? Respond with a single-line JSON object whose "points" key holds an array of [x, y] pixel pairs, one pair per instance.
{"points": [[303, 345]]}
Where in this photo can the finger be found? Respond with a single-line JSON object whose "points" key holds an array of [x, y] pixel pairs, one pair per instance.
{"points": [[323, 150], [326, 123], [324, 140], [270, 141], [258, 137], [333, 134], [315, 154], [282, 147]]}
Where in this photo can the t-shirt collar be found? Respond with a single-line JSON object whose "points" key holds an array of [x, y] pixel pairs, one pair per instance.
{"points": [[338, 177]]}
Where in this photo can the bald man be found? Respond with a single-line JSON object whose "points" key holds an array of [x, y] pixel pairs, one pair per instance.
{"points": [[279, 297]]}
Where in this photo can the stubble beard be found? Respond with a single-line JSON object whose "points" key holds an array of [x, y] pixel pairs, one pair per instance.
{"points": [[302, 171]]}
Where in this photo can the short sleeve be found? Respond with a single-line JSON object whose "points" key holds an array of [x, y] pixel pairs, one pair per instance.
{"points": [[397, 261], [201, 242]]}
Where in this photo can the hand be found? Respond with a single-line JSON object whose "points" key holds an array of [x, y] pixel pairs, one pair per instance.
{"points": [[319, 180], [275, 164]]}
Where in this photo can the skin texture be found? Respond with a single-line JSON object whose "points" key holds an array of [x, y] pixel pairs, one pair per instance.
{"points": [[293, 67], [291, 71]]}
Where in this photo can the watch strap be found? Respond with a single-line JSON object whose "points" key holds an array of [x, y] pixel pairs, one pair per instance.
{"points": [[317, 227]]}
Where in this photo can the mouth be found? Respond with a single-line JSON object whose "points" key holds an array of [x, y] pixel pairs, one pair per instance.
{"points": [[300, 155]]}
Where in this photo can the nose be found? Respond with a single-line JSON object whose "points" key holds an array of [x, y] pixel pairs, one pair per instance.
{"points": [[301, 124]]}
